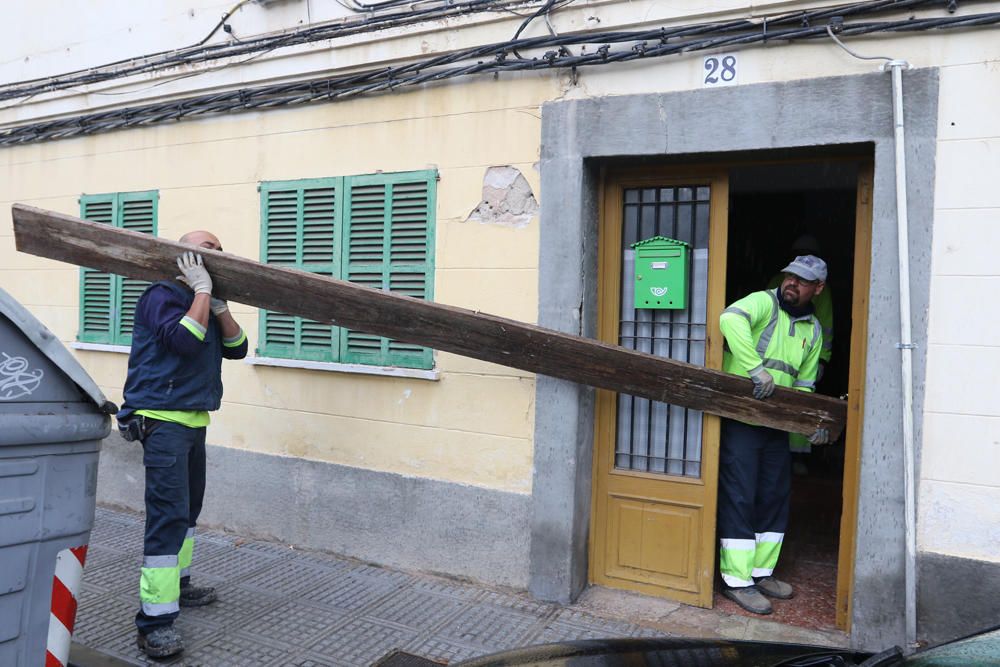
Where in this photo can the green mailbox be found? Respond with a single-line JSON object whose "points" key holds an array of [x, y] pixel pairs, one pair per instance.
{"points": [[661, 273]]}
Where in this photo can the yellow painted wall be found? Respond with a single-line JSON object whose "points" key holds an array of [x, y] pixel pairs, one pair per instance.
{"points": [[471, 426]]}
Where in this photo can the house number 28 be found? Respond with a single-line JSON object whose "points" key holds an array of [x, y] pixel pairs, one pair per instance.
{"points": [[720, 70]]}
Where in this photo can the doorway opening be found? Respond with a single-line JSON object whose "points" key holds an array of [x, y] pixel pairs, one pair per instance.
{"points": [[772, 209]]}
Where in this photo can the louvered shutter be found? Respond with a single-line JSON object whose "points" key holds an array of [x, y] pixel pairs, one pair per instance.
{"points": [[137, 212], [97, 293], [388, 245], [107, 301], [300, 230]]}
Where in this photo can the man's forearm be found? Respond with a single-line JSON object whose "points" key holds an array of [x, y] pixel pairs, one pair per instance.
{"points": [[200, 308], [230, 327]]}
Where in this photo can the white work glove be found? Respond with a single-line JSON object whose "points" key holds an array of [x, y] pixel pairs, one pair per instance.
{"points": [[195, 273], [820, 437], [219, 306], [763, 383]]}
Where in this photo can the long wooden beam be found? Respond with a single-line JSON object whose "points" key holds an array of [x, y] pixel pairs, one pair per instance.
{"points": [[471, 334]]}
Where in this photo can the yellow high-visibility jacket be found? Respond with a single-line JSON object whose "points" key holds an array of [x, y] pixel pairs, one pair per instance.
{"points": [[760, 334]]}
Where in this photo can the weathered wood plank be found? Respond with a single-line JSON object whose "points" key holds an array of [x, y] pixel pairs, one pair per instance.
{"points": [[457, 330]]}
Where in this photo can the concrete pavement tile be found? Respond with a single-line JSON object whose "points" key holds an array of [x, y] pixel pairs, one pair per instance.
{"points": [[89, 594], [703, 623], [235, 607], [626, 604], [350, 591], [325, 561], [384, 574], [123, 646], [447, 587], [558, 631], [101, 620], [308, 660], [233, 651], [293, 624], [361, 641], [765, 630], [232, 564], [123, 537], [416, 609], [285, 577], [519, 601], [195, 631], [99, 556], [490, 626], [582, 617], [205, 550], [436, 648], [121, 576], [266, 548]]}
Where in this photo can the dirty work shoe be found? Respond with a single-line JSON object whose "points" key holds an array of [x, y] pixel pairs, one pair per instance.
{"points": [[775, 588], [197, 596], [749, 598], [161, 643]]}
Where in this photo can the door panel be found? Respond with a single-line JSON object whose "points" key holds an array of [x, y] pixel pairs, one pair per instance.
{"points": [[655, 464]]}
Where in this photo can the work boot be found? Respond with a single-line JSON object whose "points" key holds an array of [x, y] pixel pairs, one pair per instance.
{"points": [[197, 596], [775, 588], [162, 642], [749, 598]]}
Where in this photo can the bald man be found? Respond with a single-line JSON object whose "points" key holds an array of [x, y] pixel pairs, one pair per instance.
{"points": [[180, 336]]}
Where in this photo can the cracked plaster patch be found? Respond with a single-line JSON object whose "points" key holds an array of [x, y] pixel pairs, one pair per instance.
{"points": [[507, 199]]}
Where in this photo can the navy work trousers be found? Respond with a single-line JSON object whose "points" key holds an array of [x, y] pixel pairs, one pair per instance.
{"points": [[174, 459], [754, 481]]}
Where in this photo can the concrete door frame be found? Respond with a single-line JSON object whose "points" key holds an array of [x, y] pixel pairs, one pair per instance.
{"points": [[577, 136]]}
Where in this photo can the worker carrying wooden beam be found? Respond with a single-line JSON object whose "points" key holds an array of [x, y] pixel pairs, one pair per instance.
{"points": [[457, 330]]}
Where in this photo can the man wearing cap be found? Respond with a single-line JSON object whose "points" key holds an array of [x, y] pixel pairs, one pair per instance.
{"points": [[774, 338], [807, 244], [180, 337]]}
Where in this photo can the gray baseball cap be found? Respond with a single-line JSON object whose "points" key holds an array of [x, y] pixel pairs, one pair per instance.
{"points": [[808, 267]]}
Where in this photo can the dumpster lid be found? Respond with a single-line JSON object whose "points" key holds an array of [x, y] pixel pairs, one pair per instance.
{"points": [[51, 347]]}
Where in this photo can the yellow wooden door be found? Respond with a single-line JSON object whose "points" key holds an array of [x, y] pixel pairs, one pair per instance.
{"points": [[655, 465]]}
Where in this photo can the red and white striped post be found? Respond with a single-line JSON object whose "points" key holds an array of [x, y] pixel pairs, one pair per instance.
{"points": [[65, 588]]}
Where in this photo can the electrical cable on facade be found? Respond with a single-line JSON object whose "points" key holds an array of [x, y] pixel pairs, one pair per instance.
{"points": [[492, 58], [199, 54]]}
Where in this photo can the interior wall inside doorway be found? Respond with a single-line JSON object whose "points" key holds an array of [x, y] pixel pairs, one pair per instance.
{"points": [[770, 207]]}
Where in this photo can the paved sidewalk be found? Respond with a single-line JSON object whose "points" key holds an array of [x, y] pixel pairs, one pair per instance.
{"points": [[282, 606]]}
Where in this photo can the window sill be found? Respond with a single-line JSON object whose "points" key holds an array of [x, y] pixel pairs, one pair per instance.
{"points": [[389, 371], [100, 347]]}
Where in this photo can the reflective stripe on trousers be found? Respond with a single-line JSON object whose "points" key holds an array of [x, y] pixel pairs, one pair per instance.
{"points": [[741, 560], [159, 585], [187, 553]]}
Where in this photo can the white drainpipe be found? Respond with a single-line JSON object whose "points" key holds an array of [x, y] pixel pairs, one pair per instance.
{"points": [[905, 344], [906, 351]]}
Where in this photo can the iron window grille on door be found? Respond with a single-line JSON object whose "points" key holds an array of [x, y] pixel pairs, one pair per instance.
{"points": [[107, 300], [652, 436], [375, 230]]}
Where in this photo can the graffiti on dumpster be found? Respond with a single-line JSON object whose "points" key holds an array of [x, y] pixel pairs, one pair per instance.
{"points": [[16, 379]]}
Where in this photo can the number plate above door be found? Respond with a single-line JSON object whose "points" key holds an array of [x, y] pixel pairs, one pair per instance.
{"points": [[720, 70]]}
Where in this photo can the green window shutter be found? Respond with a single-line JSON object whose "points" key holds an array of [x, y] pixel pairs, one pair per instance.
{"points": [[137, 212], [389, 245], [300, 230], [97, 289], [107, 301]]}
